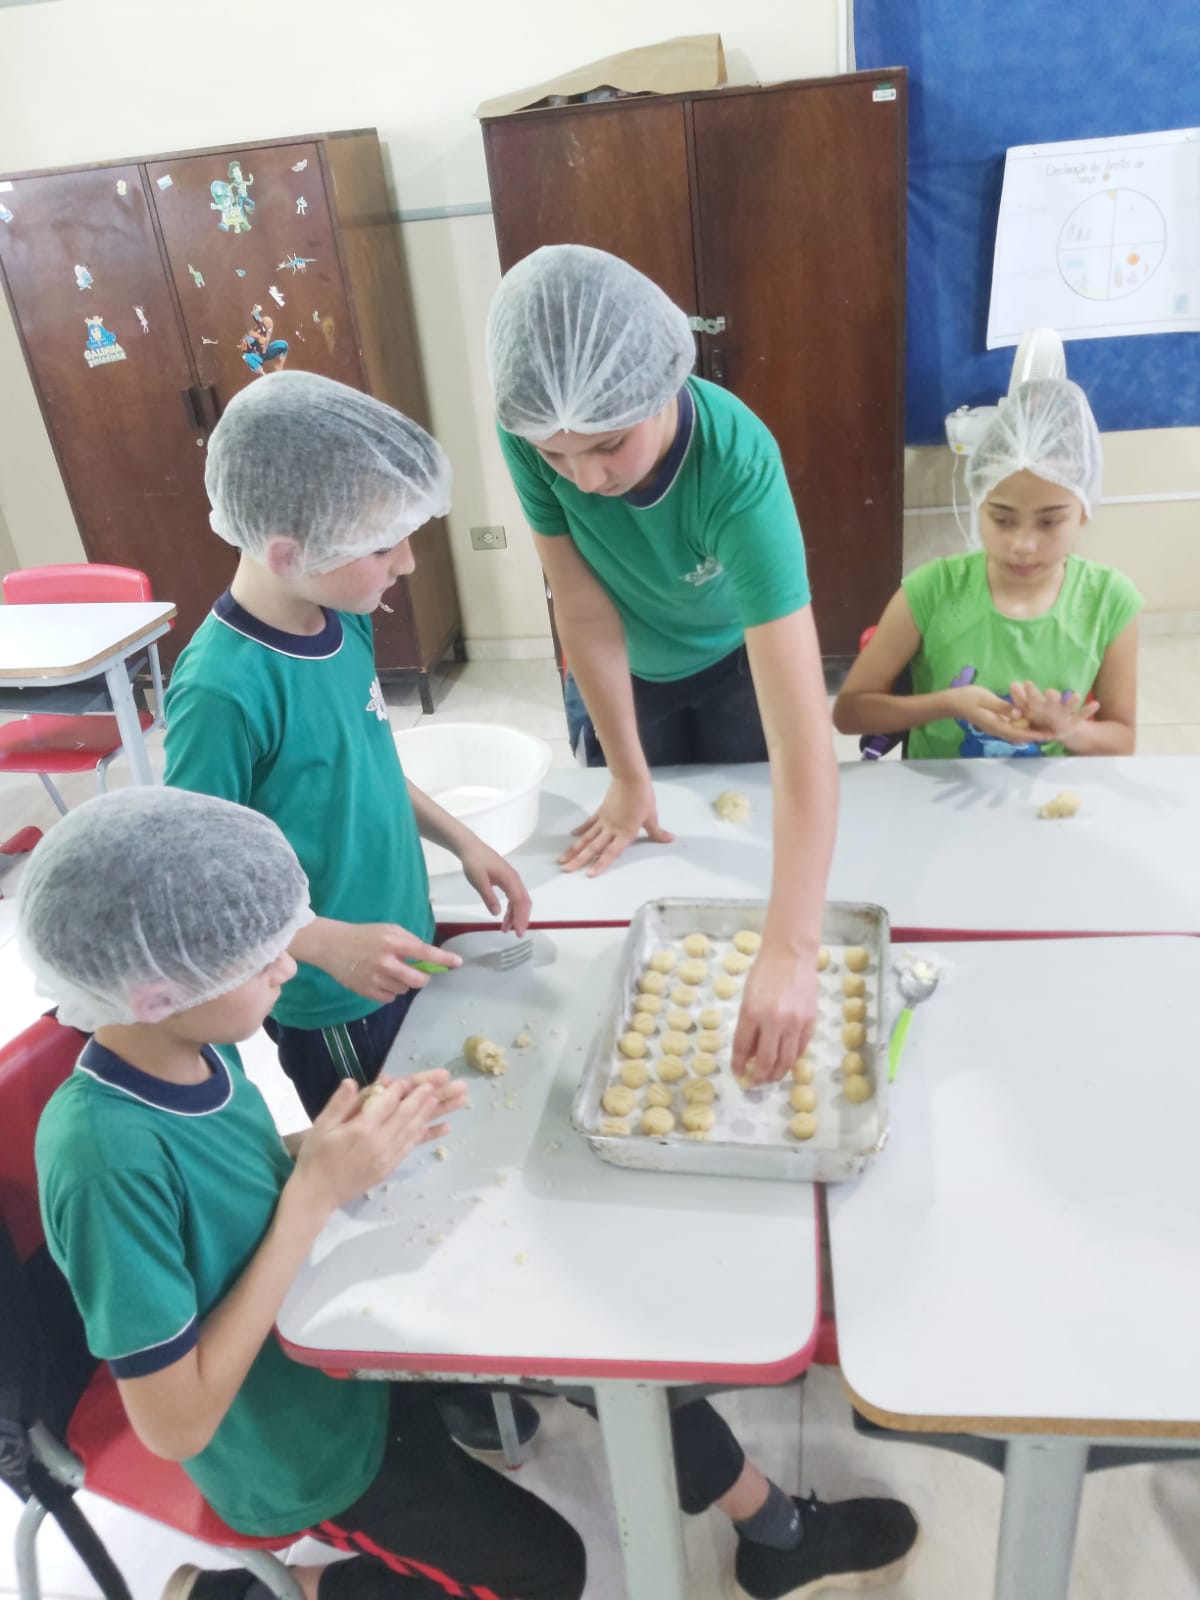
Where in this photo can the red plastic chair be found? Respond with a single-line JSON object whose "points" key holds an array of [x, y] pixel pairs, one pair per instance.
{"points": [[49, 742], [100, 1451]]}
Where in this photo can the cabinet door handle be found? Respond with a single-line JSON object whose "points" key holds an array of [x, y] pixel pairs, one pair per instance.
{"points": [[210, 411], [716, 365]]}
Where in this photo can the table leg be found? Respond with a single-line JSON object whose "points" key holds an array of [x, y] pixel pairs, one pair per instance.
{"points": [[120, 692], [641, 1465], [1043, 1482]]}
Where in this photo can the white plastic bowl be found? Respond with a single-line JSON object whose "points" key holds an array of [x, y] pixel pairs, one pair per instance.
{"points": [[486, 775]]}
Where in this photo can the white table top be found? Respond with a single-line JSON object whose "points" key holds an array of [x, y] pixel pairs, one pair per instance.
{"points": [[1028, 1246], [64, 641], [940, 844], [627, 1274]]}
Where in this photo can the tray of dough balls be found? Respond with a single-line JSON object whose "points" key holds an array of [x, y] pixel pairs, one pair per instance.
{"points": [[658, 1090]]}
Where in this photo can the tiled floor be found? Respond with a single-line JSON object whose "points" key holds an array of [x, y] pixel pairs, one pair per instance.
{"points": [[1140, 1530]]}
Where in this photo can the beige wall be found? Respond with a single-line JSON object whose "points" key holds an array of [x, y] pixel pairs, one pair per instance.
{"points": [[172, 76]]}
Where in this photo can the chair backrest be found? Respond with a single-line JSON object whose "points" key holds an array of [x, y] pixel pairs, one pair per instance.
{"points": [[76, 583], [31, 1067]]}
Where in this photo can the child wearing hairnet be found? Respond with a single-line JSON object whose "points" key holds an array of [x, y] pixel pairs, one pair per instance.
{"points": [[1021, 647], [663, 520], [275, 703], [160, 922]]}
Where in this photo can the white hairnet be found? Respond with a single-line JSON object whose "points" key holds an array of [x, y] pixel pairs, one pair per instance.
{"points": [[142, 903], [578, 341], [335, 470], [1047, 428]]}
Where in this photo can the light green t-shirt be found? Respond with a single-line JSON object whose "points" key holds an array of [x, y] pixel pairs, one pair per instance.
{"points": [[711, 548], [154, 1198], [297, 728], [964, 639]]}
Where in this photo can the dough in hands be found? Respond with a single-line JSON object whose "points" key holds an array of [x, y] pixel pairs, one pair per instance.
{"points": [[857, 959], [710, 1018], [368, 1100], [802, 1072], [485, 1055], [693, 972], [680, 1021], [663, 961], [1065, 804], [748, 942], [854, 1010], [699, 1092], [697, 944], [619, 1100], [634, 1074], [632, 1045], [803, 1125], [857, 1089], [671, 1069], [853, 1035], [684, 995], [698, 1119], [735, 962], [651, 1004], [704, 1063], [803, 1098], [643, 1023], [724, 986], [652, 983], [658, 1095], [657, 1120], [731, 806], [853, 985]]}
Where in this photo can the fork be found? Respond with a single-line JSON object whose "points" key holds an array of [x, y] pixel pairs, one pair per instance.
{"points": [[504, 960]]}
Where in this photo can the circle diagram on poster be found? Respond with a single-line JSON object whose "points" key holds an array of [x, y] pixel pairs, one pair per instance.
{"points": [[1111, 244]]}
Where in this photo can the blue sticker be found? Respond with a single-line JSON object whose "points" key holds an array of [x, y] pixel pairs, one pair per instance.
{"points": [[240, 271], [294, 264], [5, 214], [166, 181], [83, 277], [102, 347], [197, 276]]}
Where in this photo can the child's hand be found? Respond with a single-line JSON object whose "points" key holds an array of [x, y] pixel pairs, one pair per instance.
{"points": [[1051, 715], [989, 713], [355, 1143], [374, 958], [486, 871]]}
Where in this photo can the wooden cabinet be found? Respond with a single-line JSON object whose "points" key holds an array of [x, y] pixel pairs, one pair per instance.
{"points": [[778, 212], [147, 293]]}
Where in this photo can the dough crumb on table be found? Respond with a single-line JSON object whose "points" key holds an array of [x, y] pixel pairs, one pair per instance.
{"points": [[523, 1041], [731, 806], [1065, 804], [441, 1152], [485, 1054]]}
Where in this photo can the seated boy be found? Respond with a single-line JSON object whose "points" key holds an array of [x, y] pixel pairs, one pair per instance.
{"points": [[160, 921]]}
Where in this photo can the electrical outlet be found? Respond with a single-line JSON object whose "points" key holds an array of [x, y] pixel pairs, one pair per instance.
{"points": [[488, 539]]}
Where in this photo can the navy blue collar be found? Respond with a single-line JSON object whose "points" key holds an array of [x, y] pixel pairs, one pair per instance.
{"points": [[641, 499], [310, 646], [184, 1099]]}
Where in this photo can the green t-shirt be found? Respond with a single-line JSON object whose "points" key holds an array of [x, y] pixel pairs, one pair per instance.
{"points": [[964, 639], [710, 548], [154, 1198], [297, 728]]}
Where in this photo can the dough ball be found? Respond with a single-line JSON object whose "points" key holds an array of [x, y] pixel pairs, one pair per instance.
{"points": [[710, 1017], [803, 1098], [853, 1035], [658, 1095], [724, 986], [709, 1041], [651, 1004], [684, 995], [485, 1054], [652, 983], [662, 961], [680, 1021], [802, 1072], [615, 1127], [853, 985], [699, 1092], [620, 1100], [803, 1125], [1064, 804], [747, 942], [735, 962], [368, 1100], [671, 1069], [857, 1089], [853, 1064], [822, 959], [632, 1045], [697, 944], [704, 1063], [731, 806], [854, 1010], [634, 1074], [857, 959], [675, 1044], [693, 972], [698, 1119], [657, 1120], [643, 1023]]}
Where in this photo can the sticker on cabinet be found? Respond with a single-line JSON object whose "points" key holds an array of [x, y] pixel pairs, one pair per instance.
{"points": [[102, 346], [83, 276], [276, 295], [261, 350], [5, 214], [299, 166], [197, 276], [166, 181], [231, 198], [301, 206], [140, 313], [122, 187], [294, 264]]}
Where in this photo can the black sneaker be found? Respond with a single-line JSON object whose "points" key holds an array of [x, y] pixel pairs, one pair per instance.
{"points": [[851, 1544], [191, 1583], [471, 1420]]}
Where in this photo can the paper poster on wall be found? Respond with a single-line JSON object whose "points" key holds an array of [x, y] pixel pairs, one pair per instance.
{"points": [[1099, 238]]}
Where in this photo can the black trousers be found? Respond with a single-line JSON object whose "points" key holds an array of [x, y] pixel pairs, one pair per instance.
{"points": [[317, 1059], [708, 719]]}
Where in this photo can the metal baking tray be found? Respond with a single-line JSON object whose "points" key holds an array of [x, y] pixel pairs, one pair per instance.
{"points": [[750, 1138]]}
